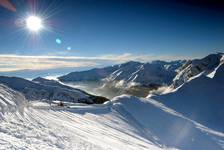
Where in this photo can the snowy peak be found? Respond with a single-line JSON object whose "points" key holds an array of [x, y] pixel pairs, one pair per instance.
{"points": [[195, 67], [130, 63]]}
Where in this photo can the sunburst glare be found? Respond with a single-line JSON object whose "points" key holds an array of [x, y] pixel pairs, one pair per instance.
{"points": [[34, 23]]}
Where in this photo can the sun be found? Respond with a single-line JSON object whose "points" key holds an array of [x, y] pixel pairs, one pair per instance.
{"points": [[34, 23]]}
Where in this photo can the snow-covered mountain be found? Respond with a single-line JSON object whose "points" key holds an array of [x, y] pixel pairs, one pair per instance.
{"points": [[128, 78], [195, 67], [189, 118], [201, 99], [42, 89], [53, 83], [156, 72]]}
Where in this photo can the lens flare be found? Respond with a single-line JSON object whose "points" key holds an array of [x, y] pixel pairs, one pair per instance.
{"points": [[58, 41], [69, 48], [8, 5]]}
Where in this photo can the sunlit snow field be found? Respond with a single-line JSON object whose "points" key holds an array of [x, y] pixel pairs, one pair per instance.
{"points": [[113, 125]]}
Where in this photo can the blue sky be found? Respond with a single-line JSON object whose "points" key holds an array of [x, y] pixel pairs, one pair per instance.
{"points": [[96, 29]]}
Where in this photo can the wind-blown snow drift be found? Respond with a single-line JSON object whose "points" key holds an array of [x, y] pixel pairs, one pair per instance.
{"points": [[167, 126], [10, 101]]}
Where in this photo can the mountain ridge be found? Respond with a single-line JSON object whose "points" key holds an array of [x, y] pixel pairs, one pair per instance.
{"points": [[123, 72], [46, 91]]}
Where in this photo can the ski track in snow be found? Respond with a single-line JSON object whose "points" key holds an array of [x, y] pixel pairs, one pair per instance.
{"points": [[110, 126], [45, 128]]}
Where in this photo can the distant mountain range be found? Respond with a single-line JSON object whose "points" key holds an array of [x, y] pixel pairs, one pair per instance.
{"points": [[134, 78], [139, 78], [156, 72]]}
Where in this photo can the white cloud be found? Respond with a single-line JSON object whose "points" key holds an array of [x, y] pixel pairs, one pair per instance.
{"points": [[21, 62]]}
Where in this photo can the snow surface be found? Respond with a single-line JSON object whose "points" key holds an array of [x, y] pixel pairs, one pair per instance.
{"points": [[83, 127], [126, 123], [10, 101]]}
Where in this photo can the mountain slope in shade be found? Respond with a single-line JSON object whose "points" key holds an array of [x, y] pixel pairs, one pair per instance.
{"points": [[219, 74], [195, 67], [89, 75], [200, 99], [49, 91]]}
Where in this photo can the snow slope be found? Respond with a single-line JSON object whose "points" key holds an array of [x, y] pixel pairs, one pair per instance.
{"points": [[200, 99], [126, 123], [10, 101], [169, 127], [49, 90], [80, 128]]}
